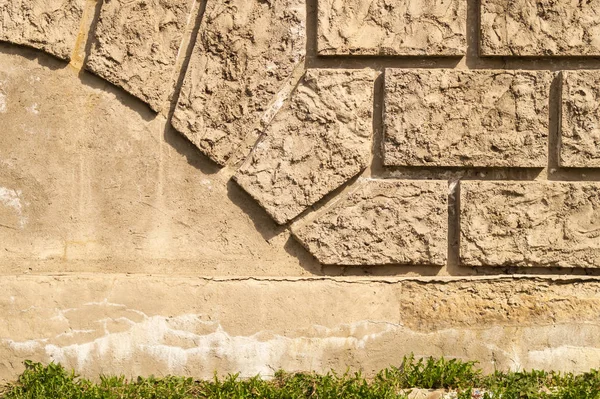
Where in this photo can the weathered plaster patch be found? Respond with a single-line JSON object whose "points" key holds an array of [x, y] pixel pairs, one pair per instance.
{"points": [[28, 346], [33, 109], [176, 342], [12, 199], [33, 79], [254, 354], [3, 106], [548, 357]]}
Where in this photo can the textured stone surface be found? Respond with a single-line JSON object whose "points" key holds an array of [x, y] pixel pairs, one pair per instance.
{"points": [[530, 224], [383, 222], [447, 117], [48, 25], [540, 27], [245, 51], [136, 46], [382, 27], [125, 250], [580, 141], [316, 143]]}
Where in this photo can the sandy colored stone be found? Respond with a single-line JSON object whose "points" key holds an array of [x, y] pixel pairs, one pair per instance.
{"points": [[141, 325], [383, 222], [480, 118], [48, 25], [580, 137], [540, 28], [318, 141], [245, 51], [136, 46], [382, 27], [530, 224], [91, 181]]}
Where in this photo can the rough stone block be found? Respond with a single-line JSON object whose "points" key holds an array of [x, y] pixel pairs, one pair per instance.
{"points": [[403, 27], [136, 46], [315, 144], [477, 118], [540, 28], [509, 223], [580, 142], [383, 222], [245, 51], [48, 25]]}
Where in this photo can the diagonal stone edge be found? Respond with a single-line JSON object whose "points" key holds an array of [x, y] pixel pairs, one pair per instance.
{"points": [[346, 134]]}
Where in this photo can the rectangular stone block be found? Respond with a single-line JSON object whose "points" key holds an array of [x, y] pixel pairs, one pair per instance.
{"points": [[383, 222], [246, 50], [136, 46], [580, 135], [47, 25], [510, 223], [402, 27], [540, 28], [477, 118]]}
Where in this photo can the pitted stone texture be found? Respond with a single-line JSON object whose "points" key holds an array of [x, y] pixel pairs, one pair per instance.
{"points": [[383, 222], [48, 25], [540, 28], [403, 27], [580, 142], [315, 144], [512, 223], [136, 46], [245, 51], [466, 118]]}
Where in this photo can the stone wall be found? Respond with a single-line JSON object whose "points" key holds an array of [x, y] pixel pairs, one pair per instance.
{"points": [[244, 185]]}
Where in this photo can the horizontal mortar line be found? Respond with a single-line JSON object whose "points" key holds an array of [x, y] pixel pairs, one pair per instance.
{"points": [[350, 280], [470, 63], [486, 179]]}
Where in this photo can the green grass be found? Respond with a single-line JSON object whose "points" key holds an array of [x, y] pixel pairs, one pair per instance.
{"points": [[462, 378]]}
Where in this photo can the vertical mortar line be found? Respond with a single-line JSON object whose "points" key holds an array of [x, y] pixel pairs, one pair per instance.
{"points": [[183, 60], [559, 116], [453, 261], [91, 37], [471, 59], [311, 33], [376, 167], [85, 37], [554, 123]]}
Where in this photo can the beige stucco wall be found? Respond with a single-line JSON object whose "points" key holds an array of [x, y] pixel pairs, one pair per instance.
{"points": [[145, 230]]}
